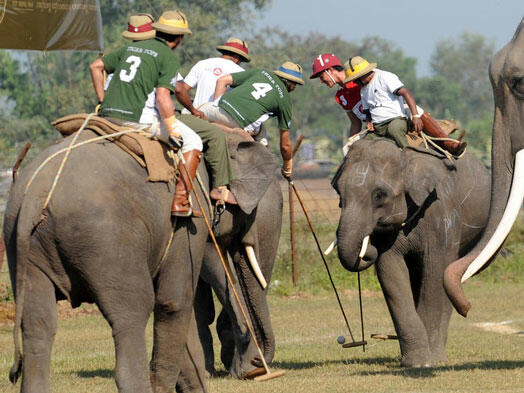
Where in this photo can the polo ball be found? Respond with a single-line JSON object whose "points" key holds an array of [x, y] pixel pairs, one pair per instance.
{"points": [[341, 339]]}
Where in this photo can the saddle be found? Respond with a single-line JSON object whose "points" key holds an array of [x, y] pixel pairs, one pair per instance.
{"points": [[150, 154]]}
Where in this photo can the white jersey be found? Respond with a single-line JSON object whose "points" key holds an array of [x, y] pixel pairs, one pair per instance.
{"points": [[379, 97], [204, 75]]}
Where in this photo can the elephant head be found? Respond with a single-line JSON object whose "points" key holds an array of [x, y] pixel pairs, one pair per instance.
{"points": [[507, 79], [381, 189]]}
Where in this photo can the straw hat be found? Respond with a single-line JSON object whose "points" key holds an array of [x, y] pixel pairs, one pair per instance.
{"points": [[139, 27], [290, 71], [172, 22], [237, 46], [356, 67]]}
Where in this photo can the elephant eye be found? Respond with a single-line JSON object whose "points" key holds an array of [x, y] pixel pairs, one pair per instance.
{"points": [[517, 85], [379, 196]]}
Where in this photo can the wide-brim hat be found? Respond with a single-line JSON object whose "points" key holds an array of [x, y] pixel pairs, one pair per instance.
{"points": [[237, 46], [139, 27], [172, 22], [356, 67], [290, 71]]}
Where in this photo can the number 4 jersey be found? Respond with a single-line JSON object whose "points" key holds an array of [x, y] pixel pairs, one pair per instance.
{"points": [[257, 95], [138, 69]]}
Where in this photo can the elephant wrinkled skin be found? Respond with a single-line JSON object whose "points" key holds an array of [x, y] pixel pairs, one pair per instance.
{"points": [[420, 215], [101, 239]]}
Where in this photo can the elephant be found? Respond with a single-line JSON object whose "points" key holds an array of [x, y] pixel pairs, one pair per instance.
{"points": [[507, 79], [106, 236], [238, 353], [410, 213], [235, 235]]}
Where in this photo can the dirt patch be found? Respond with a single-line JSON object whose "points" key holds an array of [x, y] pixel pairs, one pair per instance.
{"points": [[7, 311], [499, 327]]}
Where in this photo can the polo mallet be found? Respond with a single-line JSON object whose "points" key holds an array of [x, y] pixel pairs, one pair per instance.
{"points": [[353, 343], [268, 373]]}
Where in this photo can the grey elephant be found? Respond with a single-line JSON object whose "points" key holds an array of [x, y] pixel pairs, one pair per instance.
{"points": [[410, 214], [251, 240], [104, 238], [238, 353], [507, 79]]}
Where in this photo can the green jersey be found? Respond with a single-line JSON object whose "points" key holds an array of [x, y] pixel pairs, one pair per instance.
{"points": [[257, 94], [137, 68]]}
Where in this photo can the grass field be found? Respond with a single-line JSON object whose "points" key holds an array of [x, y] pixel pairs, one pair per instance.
{"points": [[485, 350]]}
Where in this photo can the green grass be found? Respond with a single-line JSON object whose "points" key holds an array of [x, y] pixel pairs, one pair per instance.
{"points": [[307, 321], [306, 328]]}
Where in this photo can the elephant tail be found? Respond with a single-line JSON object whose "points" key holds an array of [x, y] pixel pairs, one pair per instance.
{"points": [[29, 216]]}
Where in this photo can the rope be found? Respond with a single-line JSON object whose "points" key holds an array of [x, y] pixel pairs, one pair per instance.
{"points": [[431, 140], [71, 147]]}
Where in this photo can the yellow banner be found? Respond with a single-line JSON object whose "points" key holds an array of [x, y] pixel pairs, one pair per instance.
{"points": [[51, 25]]}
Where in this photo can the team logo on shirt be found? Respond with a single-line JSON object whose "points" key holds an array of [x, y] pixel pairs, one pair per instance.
{"points": [[217, 71]]}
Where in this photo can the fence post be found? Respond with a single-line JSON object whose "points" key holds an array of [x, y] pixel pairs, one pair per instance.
{"points": [[292, 221]]}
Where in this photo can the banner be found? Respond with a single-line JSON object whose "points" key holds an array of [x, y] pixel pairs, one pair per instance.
{"points": [[51, 25]]}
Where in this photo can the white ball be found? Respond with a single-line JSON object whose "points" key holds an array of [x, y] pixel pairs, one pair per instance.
{"points": [[341, 339]]}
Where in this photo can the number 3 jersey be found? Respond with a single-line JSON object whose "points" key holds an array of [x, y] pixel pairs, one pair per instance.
{"points": [[138, 69], [257, 95]]}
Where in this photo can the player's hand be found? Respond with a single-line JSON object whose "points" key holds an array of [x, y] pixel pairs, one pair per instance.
{"points": [[175, 142], [287, 169], [417, 124], [370, 126], [199, 114]]}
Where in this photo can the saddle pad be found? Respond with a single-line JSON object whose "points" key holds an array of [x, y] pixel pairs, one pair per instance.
{"points": [[160, 166]]}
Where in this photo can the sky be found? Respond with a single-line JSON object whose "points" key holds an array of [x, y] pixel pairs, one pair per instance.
{"points": [[414, 26]]}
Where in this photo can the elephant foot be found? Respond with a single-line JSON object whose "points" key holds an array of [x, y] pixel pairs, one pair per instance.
{"points": [[416, 359]]}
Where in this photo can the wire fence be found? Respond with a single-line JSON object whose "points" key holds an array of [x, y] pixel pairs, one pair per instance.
{"points": [[319, 198]]}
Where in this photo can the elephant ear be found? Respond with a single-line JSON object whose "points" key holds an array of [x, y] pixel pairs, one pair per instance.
{"points": [[423, 174], [254, 168]]}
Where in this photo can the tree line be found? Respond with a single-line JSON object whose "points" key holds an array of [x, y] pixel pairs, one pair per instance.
{"points": [[36, 88]]}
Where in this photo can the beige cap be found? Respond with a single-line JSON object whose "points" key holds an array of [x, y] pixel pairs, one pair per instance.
{"points": [[172, 22], [237, 46], [356, 67], [290, 71], [139, 27]]}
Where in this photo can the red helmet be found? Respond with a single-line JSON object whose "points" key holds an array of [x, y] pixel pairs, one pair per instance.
{"points": [[323, 62]]}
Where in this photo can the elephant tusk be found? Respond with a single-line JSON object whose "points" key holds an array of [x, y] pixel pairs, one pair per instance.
{"points": [[254, 264], [331, 247], [509, 217], [364, 248]]}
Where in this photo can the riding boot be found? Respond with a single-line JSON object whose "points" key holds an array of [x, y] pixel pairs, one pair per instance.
{"points": [[432, 128], [181, 202]]}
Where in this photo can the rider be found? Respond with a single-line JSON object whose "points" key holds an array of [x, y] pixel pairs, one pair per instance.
{"points": [[257, 95], [383, 96], [205, 73], [139, 68], [329, 70]]}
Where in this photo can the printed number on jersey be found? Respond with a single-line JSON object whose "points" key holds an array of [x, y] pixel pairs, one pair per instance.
{"points": [[260, 90], [128, 76]]}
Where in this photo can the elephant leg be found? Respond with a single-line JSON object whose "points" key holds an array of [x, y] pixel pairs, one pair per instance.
{"points": [[191, 377], [39, 321], [204, 310], [434, 308], [175, 288], [227, 339], [394, 279], [127, 308]]}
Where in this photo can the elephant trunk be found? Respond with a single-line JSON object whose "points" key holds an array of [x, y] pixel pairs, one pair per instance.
{"points": [[355, 251], [507, 183], [256, 302]]}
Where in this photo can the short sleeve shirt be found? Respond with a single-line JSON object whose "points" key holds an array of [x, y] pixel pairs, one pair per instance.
{"points": [[138, 69], [204, 76], [348, 97], [255, 94], [379, 96]]}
